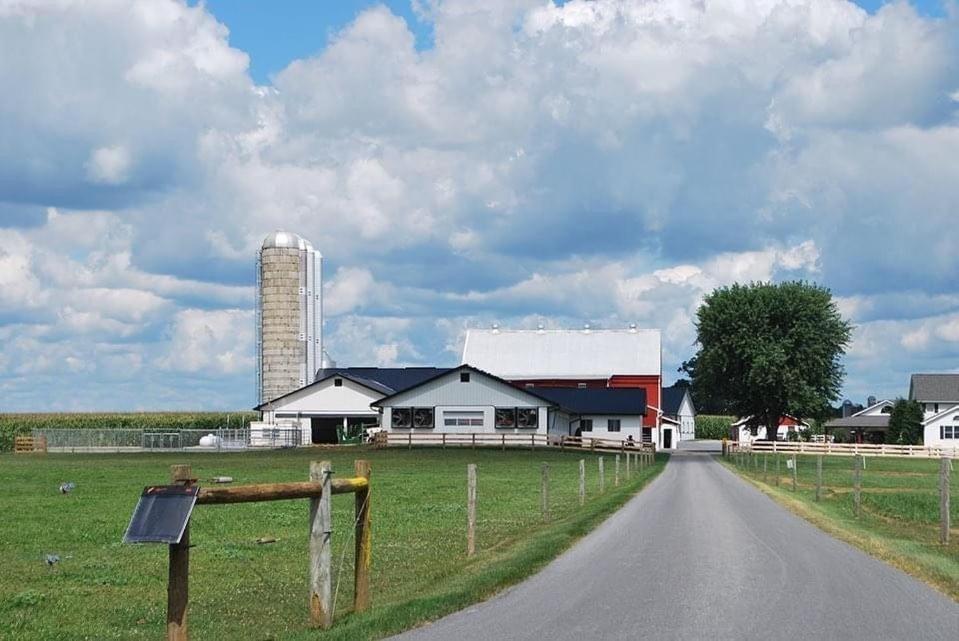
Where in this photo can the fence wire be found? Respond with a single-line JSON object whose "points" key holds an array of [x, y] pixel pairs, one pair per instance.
{"points": [[142, 439]]}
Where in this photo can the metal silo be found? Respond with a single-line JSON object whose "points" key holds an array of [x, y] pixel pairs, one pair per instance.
{"points": [[289, 314]]}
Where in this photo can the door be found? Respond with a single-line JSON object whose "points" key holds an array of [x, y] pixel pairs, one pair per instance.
{"points": [[323, 428], [667, 439]]}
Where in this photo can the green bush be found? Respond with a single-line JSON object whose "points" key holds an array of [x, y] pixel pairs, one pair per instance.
{"points": [[12, 425], [713, 427]]}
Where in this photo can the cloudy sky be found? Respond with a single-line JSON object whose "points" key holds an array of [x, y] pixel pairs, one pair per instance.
{"points": [[462, 163]]}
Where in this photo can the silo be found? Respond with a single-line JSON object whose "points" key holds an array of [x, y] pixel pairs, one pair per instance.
{"points": [[289, 314]]}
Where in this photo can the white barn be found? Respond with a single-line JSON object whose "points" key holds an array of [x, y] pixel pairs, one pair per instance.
{"points": [[467, 400]]}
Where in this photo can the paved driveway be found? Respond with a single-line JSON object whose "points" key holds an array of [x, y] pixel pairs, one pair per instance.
{"points": [[700, 554]]}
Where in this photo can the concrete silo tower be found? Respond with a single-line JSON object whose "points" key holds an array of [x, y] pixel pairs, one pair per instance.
{"points": [[289, 314]]}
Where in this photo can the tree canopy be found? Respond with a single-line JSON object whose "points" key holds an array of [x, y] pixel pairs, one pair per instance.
{"points": [[905, 423], [768, 349]]}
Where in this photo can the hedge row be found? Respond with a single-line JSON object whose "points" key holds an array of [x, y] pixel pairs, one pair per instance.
{"points": [[12, 425], [713, 427]]}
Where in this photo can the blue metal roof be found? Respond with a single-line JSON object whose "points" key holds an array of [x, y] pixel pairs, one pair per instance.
{"points": [[597, 400], [389, 380]]}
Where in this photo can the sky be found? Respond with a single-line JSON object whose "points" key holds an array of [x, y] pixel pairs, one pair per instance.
{"points": [[460, 164]]}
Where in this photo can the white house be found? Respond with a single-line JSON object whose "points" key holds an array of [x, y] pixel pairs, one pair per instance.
{"points": [[466, 400], [745, 431], [339, 398], [678, 409], [939, 396]]}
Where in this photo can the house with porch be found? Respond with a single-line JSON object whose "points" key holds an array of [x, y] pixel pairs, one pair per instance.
{"points": [[938, 394], [868, 425]]}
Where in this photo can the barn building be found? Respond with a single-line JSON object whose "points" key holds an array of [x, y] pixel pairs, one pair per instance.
{"points": [[467, 400], [338, 401], [544, 359]]}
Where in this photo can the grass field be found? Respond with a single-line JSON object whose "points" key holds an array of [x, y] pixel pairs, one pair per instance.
{"points": [[240, 590], [899, 522]]}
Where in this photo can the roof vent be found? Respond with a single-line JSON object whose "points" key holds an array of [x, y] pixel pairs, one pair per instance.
{"points": [[496, 328], [586, 328], [632, 328], [540, 328]]}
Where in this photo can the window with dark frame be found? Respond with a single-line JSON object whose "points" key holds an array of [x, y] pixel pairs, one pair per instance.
{"points": [[586, 424], [401, 417], [613, 424], [337, 382], [505, 417], [464, 377], [423, 417], [647, 435], [527, 417]]}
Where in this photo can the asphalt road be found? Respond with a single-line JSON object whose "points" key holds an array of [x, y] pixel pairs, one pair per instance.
{"points": [[700, 554]]}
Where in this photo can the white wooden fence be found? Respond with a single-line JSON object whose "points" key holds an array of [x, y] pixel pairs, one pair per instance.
{"points": [[846, 449], [505, 440]]}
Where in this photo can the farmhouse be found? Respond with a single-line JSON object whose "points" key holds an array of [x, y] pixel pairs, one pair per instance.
{"points": [[868, 425], [679, 410], [747, 430], [546, 359], [939, 396], [338, 401], [467, 400]]}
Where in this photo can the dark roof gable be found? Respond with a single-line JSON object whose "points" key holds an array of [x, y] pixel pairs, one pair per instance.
{"points": [[464, 367], [673, 399], [934, 388], [385, 380]]}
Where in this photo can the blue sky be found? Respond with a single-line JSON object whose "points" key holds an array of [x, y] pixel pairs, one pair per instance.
{"points": [[463, 163]]}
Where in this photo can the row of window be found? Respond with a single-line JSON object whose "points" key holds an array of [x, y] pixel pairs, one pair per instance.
{"points": [[949, 431], [505, 417], [612, 425]]}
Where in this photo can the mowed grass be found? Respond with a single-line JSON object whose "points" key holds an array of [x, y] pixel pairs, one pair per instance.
{"points": [[103, 589], [899, 522]]}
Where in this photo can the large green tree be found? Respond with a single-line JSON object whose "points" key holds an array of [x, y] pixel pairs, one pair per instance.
{"points": [[769, 349], [905, 423]]}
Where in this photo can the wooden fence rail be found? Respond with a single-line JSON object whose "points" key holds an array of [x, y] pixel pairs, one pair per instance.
{"points": [[319, 489], [503, 440], [844, 449]]}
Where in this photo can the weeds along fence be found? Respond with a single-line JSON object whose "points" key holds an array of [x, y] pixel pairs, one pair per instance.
{"points": [[912, 490], [140, 440], [507, 440], [847, 449]]}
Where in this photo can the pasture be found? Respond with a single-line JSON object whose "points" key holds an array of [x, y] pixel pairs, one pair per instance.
{"points": [[103, 589], [899, 519]]}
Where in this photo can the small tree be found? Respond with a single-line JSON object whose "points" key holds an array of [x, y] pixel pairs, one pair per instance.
{"points": [[905, 423], [770, 349]]}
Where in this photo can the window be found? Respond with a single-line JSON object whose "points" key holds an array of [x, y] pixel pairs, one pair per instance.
{"points": [[401, 417], [581, 385], [613, 424], [586, 424], [337, 382], [949, 431], [422, 417], [505, 417], [527, 417], [647, 435], [529, 385], [464, 377], [463, 419]]}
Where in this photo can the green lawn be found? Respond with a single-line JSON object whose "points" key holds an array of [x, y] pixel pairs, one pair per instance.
{"points": [[103, 589], [900, 508]]}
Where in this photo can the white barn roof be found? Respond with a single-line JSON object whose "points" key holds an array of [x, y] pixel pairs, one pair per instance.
{"points": [[552, 353]]}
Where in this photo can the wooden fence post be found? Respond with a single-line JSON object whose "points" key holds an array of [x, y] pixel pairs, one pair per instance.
{"points": [[474, 441], [444, 440], [504, 441], [765, 474], [409, 440], [178, 585], [602, 476], [629, 455], [777, 467], [819, 478], [364, 542], [582, 482], [795, 470], [471, 509], [545, 493], [532, 442], [616, 473], [944, 465], [321, 553], [857, 485]]}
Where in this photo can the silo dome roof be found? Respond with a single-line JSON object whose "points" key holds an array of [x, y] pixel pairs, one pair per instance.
{"points": [[282, 239]]}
